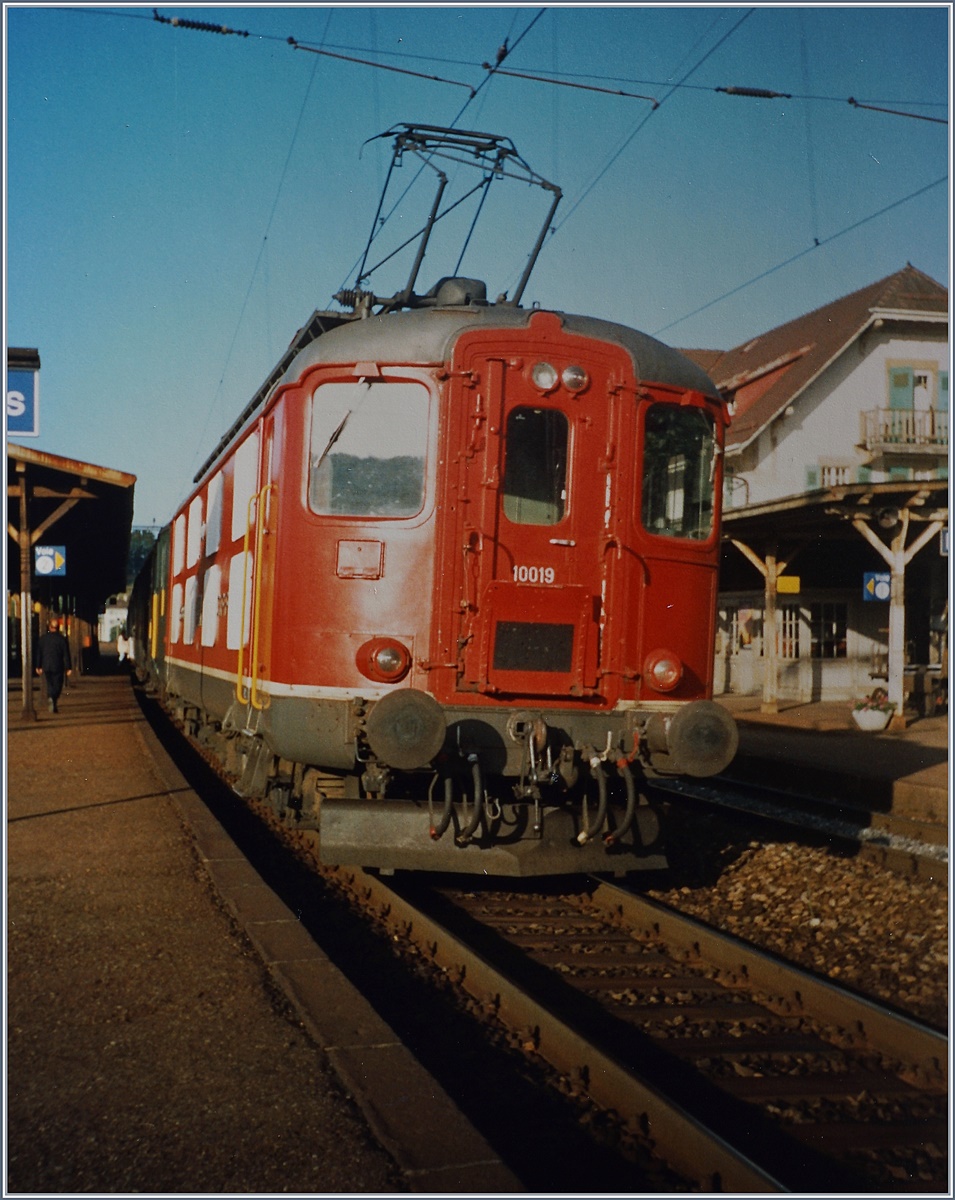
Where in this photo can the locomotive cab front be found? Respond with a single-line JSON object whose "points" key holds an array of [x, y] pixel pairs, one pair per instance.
{"points": [[567, 653]]}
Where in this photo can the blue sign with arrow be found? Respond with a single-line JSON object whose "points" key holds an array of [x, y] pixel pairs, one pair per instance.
{"points": [[876, 585], [50, 560]]}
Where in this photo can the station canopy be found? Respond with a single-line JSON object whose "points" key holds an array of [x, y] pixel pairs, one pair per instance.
{"points": [[826, 514], [83, 510], [829, 537]]}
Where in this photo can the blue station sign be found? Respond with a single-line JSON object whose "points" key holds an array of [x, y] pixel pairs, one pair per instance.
{"points": [[50, 560], [23, 402], [876, 585]]}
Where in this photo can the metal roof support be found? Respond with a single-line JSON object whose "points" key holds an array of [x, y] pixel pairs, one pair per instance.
{"points": [[897, 557]]}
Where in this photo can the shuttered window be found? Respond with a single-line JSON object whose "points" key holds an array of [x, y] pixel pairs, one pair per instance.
{"points": [[901, 387]]}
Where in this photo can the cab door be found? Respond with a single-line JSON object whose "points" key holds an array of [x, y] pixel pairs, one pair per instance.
{"points": [[536, 527]]}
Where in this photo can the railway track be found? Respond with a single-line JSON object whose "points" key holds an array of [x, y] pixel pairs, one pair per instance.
{"points": [[736, 1070], [741, 1072], [904, 845]]}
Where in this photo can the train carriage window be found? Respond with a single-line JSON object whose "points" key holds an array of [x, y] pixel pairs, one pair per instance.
{"points": [[214, 514], [175, 615], [239, 621], [190, 610], [244, 483], [178, 543], [209, 626], [367, 449], [679, 460], [535, 466], [194, 532]]}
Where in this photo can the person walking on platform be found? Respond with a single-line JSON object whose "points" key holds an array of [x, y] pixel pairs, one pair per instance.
{"points": [[53, 661]]}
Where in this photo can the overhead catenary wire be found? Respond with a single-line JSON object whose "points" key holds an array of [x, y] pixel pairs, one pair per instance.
{"points": [[381, 222], [381, 66], [734, 90], [739, 91], [623, 146], [262, 247], [818, 243], [558, 78]]}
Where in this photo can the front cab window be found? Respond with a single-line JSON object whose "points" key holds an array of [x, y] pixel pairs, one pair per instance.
{"points": [[367, 449], [535, 466], [679, 461]]}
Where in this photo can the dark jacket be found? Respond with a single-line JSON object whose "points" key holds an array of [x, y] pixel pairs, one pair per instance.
{"points": [[53, 654]]}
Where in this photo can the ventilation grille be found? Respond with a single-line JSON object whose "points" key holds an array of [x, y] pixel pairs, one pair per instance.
{"points": [[522, 646]]}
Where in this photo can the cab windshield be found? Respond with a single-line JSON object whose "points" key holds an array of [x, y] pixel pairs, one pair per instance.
{"points": [[367, 451], [679, 462]]}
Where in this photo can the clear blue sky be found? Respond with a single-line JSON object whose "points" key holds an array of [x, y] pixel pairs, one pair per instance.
{"points": [[178, 202]]}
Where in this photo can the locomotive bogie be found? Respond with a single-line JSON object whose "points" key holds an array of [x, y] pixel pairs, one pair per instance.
{"points": [[448, 594]]}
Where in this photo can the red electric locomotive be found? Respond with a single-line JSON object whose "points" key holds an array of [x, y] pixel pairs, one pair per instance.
{"points": [[446, 590]]}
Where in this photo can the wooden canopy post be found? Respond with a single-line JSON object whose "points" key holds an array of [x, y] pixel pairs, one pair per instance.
{"points": [[770, 568], [22, 537], [897, 557]]}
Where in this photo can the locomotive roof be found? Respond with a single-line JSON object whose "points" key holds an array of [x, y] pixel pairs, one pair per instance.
{"points": [[424, 335]]}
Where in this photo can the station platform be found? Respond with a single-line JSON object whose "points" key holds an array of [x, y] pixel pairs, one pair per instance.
{"points": [[171, 1025], [816, 749]]}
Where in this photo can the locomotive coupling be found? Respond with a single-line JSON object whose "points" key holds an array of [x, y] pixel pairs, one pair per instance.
{"points": [[699, 739]]}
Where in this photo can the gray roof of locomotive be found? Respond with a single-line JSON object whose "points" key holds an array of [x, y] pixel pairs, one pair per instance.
{"points": [[425, 336]]}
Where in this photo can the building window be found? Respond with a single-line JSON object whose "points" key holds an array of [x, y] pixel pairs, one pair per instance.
{"points": [[741, 628], [787, 633], [830, 472], [828, 623], [834, 474]]}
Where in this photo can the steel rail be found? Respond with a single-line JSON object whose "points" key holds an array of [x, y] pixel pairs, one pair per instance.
{"points": [[676, 1136], [909, 847], [788, 989]]}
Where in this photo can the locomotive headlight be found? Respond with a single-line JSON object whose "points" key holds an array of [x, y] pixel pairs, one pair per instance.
{"points": [[544, 376], [662, 670], [575, 379], [384, 660]]}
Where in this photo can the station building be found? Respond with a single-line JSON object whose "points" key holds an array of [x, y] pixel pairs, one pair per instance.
{"points": [[68, 529], [835, 496]]}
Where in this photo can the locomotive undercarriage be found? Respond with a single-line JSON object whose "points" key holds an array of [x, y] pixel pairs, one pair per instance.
{"points": [[507, 793]]}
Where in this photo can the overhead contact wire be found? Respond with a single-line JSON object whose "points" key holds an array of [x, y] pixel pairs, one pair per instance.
{"points": [[590, 187], [818, 243]]}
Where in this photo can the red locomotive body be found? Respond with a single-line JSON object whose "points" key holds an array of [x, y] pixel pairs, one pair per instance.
{"points": [[447, 590]]}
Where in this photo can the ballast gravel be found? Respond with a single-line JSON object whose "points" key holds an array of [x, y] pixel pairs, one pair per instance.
{"points": [[841, 916]]}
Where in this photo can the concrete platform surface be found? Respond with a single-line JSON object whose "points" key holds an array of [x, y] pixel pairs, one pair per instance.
{"points": [[171, 1026], [816, 748]]}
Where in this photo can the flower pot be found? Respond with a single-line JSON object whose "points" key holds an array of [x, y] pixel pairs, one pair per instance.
{"points": [[871, 719]]}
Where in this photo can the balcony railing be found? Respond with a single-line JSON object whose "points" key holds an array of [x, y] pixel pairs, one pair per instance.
{"points": [[905, 430]]}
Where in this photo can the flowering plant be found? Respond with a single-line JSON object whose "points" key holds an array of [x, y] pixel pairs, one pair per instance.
{"points": [[877, 701]]}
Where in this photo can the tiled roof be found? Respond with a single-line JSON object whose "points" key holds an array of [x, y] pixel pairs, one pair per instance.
{"points": [[767, 372]]}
